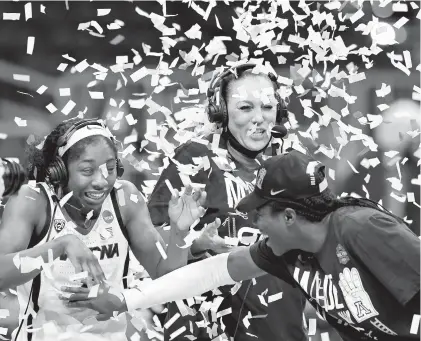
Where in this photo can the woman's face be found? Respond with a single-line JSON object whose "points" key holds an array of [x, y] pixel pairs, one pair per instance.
{"points": [[92, 175], [251, 105]]}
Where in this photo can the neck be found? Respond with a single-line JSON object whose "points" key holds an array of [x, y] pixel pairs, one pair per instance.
{"points": [[313, 237], [244, 160]]}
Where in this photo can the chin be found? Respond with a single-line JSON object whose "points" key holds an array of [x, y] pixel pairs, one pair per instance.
{"points": [[256, 145]]}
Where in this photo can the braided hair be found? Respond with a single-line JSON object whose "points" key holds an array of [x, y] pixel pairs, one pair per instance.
{"points": [[317, 207], [38, 159]]}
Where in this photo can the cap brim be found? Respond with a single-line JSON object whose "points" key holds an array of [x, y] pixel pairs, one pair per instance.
{"points": [[251, 202]]}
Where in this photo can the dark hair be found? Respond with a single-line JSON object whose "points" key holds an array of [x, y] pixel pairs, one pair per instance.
{"points": [[317, 207], [38, 160]]}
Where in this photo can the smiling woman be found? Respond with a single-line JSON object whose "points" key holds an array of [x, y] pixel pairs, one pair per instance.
{"points": [[80, 220]]}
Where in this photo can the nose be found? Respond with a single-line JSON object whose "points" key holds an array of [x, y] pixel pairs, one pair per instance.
{"points": [[99, 181], [258, 116]]}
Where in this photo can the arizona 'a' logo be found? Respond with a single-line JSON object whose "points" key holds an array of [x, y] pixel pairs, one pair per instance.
{"points": [[260, 177], [59, 224], [342, 254]]}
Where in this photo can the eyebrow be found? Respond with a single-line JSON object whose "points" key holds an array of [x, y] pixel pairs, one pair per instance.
{"points": [[93, 161]]}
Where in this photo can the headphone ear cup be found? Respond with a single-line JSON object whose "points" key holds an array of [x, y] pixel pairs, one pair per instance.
{"points": [[224, 113], [214, 113], [120, 168], [57, 172]]}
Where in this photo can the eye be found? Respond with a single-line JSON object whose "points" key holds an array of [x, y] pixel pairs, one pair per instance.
{"points": [[111, 169], [245, 107], [268, 107], [87, 171]]}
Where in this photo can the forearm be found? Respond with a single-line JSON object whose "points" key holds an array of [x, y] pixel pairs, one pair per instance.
{"points": [[12, 276], [176, 256], [188, 281]]}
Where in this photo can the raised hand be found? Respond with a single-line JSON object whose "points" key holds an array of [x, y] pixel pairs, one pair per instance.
{"points": [[184, 210], [356, 298], [209, 239]]}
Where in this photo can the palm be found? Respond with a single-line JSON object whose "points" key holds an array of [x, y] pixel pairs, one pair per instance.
{"points": [[184, 210]]}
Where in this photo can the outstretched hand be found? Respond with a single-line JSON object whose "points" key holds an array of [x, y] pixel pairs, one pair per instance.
{"points": [[184, 210], [209, 239]]}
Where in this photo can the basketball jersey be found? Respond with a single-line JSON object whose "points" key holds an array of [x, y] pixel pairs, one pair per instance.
{"points": [[39, 299]]}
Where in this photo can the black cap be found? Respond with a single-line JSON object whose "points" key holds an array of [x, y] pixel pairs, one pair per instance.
{"points": [[286, 177]]}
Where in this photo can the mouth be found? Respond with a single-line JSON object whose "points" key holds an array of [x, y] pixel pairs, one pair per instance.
{"points": [[95, 196], [258, 133]]}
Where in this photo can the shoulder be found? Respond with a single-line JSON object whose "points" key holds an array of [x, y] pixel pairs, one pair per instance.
{"points": [[362, 222], [30, 200], [191, 149], [129, 199]]}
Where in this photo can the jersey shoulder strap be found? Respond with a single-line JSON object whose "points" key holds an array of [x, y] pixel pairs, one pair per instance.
{"points": [[36, 239]]}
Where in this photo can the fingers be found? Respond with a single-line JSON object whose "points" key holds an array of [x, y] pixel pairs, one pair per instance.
{"points": [[96, 270], [75, 297], [202, 198], [75, 290], [79, 304], [188, 190]]}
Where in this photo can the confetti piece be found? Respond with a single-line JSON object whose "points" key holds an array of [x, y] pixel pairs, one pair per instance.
{"points": [[28, 11], [325, 336], [171, 321], [66, 198], [4, 313], [312, 326], [94, 291], [117, 39], [62, 67], [130, 120], [139, 74], [3, 331], [407, 58], [170, 187], [82, 66], [275, 297], [68, 107], [356, 16], [21, 78], [398, 198], [20, 122], [134, 198], [11, 16], [352, 167], [51, 108], [161, 250], [79, 276], [64, 91], [121, 198], [103, 11], [402, 21], [30, 45], [415, 324]]}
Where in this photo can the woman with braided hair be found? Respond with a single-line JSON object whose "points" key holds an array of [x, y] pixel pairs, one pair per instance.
{"points": [[356, 263]]}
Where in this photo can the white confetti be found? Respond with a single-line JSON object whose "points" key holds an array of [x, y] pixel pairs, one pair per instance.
{"points": [[51, 108], [121, 198], [415, 324], [312, 326], [402, 21], [30, 45], [20, 122], [275, 297], [103, 11], [82, 66], [21, 78], [130, 120], [68, 107], [94, 291], [28, 11], [11, 16], [64, 91]]}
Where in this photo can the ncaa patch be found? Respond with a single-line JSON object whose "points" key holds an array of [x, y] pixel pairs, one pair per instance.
{"points": [[342, 254], [59, 224], [107, 216]]}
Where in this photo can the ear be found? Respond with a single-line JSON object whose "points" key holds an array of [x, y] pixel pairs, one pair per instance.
{"points": [[290, 216]]}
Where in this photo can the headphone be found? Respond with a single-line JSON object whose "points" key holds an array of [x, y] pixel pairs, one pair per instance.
{"points": [[57, 173], [219, 113]]}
